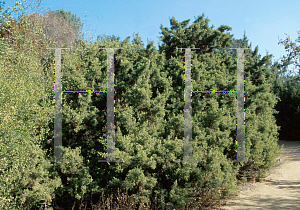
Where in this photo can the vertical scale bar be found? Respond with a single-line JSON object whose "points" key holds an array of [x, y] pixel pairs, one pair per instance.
{"points": [[240, 106], [240, 126], [58, 114], [188, 153], [110, 106], [110, 134]]}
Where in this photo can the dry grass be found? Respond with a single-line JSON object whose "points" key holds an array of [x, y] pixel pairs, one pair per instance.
{"points": [[124, 201]]}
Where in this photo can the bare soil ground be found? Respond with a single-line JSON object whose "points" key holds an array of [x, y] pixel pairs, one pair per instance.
{"points": [[279, 190]]}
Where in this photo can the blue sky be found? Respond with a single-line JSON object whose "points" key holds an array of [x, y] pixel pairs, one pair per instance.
{"points": [[263, 21]]}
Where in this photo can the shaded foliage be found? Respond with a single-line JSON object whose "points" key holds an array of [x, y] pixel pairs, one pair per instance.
{"points": [[287, 89]]}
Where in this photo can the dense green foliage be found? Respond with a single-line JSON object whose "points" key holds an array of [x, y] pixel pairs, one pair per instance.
{"points": [[25, 178], [149, 119]]}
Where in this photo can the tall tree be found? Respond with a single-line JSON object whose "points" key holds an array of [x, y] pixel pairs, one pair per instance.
{"points": [[56, 28], [71, 19], [293, 51]]}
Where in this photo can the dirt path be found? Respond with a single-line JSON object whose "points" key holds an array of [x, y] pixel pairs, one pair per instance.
{"points": [[279, 190]]}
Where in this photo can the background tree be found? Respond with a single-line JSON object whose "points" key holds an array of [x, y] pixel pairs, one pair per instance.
{"points": [[293, 51], [71, 19], [287, 88], [56, 28]]}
